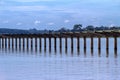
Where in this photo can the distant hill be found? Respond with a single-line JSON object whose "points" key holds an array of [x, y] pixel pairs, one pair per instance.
{"points": [[13, 31], [20, 31]]}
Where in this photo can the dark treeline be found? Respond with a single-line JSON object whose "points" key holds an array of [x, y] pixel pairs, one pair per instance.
{"points": [[76, 28], [80, 28]]}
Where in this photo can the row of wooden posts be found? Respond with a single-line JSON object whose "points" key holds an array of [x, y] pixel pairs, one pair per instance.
{"points": [[28, 42]]}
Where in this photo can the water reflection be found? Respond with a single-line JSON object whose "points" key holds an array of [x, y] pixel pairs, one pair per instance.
{"points": [[56, 63], [60, 51]]}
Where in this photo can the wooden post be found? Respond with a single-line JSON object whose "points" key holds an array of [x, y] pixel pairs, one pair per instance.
{"points": [[40, 44], [55, 43], [5, 43], [99, 43], [31, 44], [92, 43], [45, 44], [115, 43], [23, 43], [19, 43], [115, 46], [66, 43], [36, 43], [49, 44], [27, 43], [84, 43], [16, 42], [60, 45], [107, 43], [9, 43], [78, 44], [60, 42], [2, 42], [72, 43], [12, 43]]}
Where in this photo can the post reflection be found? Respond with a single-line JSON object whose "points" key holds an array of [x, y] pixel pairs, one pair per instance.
{"points": [[99, 52], [84, 52], [115, 53], [107, 52], [92, 52]]}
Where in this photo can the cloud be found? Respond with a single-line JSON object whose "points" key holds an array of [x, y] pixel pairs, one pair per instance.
{"points": [[18, 24], [111, 25], [51, 23], [25, 8], [66, 21], [5, 22], [37, 22], [1, 2], [31, 0]]}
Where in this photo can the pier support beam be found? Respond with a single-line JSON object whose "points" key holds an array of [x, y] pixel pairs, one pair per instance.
{"points": [[9, 43], [60, 42], [27, 43], [23, 39], [115, 43], [12, 43], [107, 43], [84, 42], [40, 44], [72, 44], [99, 43], [19, 43], [92, 43], [78, 44], [2, 42], [55, 43], [115, 46], [31, 40], [45, 44], [5, 43], [16, 46], [66, 44], [49, 44], [36, 42]]}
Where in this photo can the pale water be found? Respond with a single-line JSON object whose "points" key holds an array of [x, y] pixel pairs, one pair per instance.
{"points": [[61, 65]]}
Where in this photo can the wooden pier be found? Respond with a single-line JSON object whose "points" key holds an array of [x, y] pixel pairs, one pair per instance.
{"points": [[18, 40]]}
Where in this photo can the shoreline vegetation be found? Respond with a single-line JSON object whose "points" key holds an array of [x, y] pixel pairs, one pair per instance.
{"points": [[76, 28]]}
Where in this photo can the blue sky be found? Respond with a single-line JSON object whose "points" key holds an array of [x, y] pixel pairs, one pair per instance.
{"points": [[55, 14]]}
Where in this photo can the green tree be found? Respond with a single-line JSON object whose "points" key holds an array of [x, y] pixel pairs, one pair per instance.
{"points": [[90, 28], [77, 27]]}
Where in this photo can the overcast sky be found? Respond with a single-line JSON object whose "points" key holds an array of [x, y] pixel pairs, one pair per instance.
{"points": [[54, 14]]}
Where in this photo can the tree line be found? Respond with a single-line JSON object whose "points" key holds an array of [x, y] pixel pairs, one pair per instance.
{"points": [[79, 28], [76, 28]]}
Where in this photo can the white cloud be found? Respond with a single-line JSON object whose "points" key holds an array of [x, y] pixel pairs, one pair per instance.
{"points": [[1, 2], [51, 23], [25, 8], [5, 22], [111, 25], [66, 21], [37, 22], [18, 24], [31, 0]]}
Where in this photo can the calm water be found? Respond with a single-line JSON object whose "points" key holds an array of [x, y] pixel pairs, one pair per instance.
{"points": [[18, 64]]}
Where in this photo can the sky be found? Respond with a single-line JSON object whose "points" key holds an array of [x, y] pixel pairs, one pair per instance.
{"points": [[55, 14]]}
